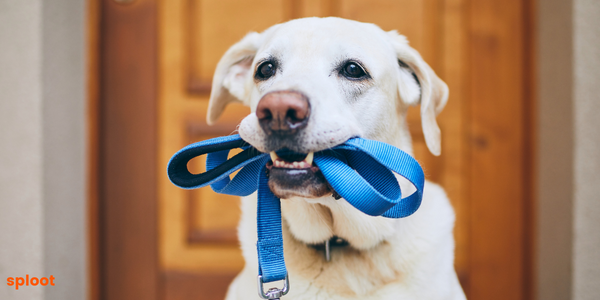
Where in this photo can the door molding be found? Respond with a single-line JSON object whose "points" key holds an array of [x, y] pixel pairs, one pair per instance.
{"points": [[124, 132]]}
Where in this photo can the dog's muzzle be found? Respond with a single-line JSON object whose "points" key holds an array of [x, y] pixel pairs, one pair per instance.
{"points": [[283, 115]]}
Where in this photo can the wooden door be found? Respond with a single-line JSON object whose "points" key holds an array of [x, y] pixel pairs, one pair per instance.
{"points": [[479, 48]]}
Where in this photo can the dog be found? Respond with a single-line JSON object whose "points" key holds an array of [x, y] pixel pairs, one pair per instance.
{"points": [[312, 84]]}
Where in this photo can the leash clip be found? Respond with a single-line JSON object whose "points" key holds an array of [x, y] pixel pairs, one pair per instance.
{"points": [[273, 293]]}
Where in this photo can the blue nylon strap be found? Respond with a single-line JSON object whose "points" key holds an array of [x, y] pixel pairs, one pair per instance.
{"points": [[359, 170], [271, 264]]}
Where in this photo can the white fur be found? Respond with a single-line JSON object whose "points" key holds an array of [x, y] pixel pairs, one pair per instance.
{"points": [[409, 258]]}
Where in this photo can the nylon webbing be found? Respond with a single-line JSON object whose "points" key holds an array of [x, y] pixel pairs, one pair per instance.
{"points": [[359, 170]]}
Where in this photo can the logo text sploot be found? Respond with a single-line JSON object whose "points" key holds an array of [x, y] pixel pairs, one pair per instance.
{"points": [[20, 281]]}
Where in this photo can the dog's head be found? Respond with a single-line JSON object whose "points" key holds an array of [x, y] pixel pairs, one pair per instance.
{"points": [[314, 83]]}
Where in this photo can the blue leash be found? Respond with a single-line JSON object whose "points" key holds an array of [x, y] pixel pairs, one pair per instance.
{"points": [[359, 170]]}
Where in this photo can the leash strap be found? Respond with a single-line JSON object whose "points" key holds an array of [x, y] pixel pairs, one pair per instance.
{"points": [[359, 170]]}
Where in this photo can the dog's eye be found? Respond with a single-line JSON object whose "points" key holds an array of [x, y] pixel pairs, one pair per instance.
{"points": [[265, 70], [353, 70]]}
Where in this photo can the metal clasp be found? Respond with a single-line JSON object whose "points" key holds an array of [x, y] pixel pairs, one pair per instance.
{"points": [[273, 293]]}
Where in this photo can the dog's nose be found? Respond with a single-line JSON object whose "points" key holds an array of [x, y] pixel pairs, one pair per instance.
{"points": [[283, 112]]}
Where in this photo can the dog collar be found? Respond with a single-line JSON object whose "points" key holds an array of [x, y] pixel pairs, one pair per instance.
{"points": [[359, 170]]}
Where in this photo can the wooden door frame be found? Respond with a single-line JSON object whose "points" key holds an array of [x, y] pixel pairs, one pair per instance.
{"points": [[122, 126], [501, 46]]}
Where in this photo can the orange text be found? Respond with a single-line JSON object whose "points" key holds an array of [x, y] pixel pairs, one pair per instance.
{"points": [[20, 281]]}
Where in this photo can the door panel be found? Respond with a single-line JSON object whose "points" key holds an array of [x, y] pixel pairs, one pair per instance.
{"points": [[213, 26]]}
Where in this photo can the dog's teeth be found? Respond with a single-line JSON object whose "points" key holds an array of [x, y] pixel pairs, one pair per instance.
{"points": [[309, 158], [280, 163], [274, 156]]}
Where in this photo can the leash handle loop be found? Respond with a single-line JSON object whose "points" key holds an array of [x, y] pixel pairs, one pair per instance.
{"points": [[218, 167]]}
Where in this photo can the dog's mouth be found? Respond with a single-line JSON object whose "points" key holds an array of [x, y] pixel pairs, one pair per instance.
{"points": [[295, 174]]}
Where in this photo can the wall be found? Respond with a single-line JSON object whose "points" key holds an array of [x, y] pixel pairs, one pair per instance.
{"points": [[586, 204], [21, 173], [42, 147], [568, 243], [555, 145]]}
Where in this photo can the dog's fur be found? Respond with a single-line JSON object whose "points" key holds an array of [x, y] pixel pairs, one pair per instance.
{"points": [[409, 258]]}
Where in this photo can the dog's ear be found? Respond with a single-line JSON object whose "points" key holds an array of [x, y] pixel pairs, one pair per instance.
{"points": [[231, 74], [430, 89]]}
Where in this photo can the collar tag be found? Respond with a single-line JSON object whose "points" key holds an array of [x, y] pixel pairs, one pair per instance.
{"points": [[327, 250]]}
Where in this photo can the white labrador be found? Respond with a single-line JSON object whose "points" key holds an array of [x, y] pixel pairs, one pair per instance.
{"points": [[338, 79]]}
